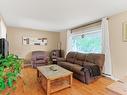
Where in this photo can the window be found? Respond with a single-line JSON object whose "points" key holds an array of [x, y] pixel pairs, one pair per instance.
{"points": [[88, 42]]}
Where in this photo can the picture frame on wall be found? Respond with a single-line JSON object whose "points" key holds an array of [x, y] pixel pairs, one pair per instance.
{"points": [[34, 41], [124, 36]]}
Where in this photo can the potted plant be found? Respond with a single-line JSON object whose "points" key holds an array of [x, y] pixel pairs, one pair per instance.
{"points": [[10, 68]]}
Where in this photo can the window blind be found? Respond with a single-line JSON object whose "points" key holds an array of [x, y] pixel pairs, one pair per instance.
{"points": [[87, 28]]}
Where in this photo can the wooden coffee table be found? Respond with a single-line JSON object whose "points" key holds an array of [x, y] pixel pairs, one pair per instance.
{"points": [[53, 81]]}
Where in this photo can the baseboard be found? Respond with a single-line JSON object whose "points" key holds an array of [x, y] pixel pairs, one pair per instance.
{"points": [[106, 75], [110, 76], [114, 78]]}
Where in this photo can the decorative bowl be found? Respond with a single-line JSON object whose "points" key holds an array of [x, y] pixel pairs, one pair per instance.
{"points": [[53, 68]]}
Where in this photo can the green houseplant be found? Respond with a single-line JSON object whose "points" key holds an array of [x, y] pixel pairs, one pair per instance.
{"points": [[10, 68]]}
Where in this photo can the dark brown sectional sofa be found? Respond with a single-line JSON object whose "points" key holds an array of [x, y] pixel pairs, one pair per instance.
{"points": [[76, 63]]}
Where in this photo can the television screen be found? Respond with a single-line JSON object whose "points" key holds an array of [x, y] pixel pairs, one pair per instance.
{"points": [[4, 47]]}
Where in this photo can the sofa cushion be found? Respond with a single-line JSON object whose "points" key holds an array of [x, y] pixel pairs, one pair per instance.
{"points": [[39, 57], [99, 60], [77, 69], [71, 57], [89, 58], [88, 63], [79, 59], [65, 65], [72, 67]]}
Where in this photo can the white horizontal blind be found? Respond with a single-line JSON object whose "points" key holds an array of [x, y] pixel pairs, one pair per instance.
{"points": [[87, 28]]}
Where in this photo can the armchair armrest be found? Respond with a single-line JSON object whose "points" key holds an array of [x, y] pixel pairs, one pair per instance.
{"points": [[46, 58], [33, 63]]}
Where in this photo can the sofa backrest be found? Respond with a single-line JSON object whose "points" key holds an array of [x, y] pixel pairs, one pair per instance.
{"points": [[80, 58], [96, 59], [36, 55], [71, 57]]}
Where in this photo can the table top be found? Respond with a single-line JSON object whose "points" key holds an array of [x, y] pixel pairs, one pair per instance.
{"points": [[50, 74]]}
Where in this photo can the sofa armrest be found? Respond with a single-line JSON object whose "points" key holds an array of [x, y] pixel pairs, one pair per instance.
{"points": [[88, 78], [61, 59], [87, 72], [86, 65]]}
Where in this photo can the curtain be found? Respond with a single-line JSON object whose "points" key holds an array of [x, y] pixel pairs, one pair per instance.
{"points": [[106, 47], [68, 48], [3, 29]]}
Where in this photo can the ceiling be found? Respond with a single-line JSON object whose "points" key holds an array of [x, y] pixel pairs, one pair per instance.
{"points": [[57, 15]]}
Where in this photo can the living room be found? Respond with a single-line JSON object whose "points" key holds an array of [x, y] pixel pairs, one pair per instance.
{"points": [[63, 47]]}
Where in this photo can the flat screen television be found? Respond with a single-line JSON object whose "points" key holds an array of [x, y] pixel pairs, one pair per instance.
{"points": [[4, 47]]}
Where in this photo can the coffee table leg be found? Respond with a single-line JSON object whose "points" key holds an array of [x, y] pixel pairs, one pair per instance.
{"points": [[48, 87], [70, 80]]}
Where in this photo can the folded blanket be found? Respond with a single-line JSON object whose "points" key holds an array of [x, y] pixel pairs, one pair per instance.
{"points": [[92, 68]]}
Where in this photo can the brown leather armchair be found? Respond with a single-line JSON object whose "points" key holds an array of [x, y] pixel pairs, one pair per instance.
{"points": [[39, 58]]}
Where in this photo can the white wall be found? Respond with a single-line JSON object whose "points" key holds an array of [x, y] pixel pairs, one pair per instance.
{"points": [[16, 46], [117, 45]]}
